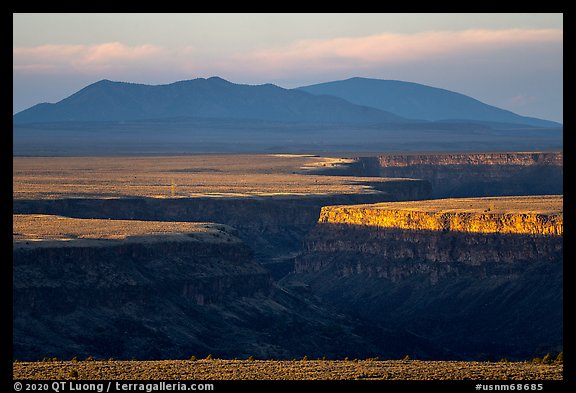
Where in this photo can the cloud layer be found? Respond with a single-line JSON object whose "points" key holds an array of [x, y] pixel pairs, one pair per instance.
{"points": [[342, 52], [390, 48]]}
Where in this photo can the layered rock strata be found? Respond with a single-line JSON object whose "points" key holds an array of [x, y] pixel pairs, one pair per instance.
{"points": [[477, 276]]}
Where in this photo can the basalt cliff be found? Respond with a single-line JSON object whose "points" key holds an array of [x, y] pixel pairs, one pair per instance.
{"points": [[479, 277], [469, 174]]}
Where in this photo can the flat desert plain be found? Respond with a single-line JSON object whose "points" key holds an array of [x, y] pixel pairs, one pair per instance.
{"points": [[179, 176]]}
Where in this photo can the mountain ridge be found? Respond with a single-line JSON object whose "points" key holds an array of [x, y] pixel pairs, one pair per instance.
{"points": [[200, 98], [351, 101], [417, 101]]}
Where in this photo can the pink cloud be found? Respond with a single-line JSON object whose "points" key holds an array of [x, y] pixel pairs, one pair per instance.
{"points": [[342, 55], [115, 51], [82, 57], [390, 48]]}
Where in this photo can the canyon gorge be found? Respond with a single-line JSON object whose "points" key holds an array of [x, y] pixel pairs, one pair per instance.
{"points": [[363, 257]]}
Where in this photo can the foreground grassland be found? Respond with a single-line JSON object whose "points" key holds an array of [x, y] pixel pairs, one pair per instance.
{"points": [[286, 370], [180, 176]]}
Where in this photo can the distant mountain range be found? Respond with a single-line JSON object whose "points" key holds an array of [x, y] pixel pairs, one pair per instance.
{"points": [[213, 98], [351, 101], [416, 101]]}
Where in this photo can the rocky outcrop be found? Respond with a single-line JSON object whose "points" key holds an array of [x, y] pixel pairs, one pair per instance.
{"points": [[476, 284]]}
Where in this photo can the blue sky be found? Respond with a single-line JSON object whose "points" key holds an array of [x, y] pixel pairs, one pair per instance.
{"points": [[514, 61]]}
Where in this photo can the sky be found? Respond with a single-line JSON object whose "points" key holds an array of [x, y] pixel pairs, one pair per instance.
{"points": [[512, 61]]}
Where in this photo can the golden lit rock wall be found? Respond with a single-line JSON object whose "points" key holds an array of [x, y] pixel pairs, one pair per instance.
{"points": [[521, 223]]}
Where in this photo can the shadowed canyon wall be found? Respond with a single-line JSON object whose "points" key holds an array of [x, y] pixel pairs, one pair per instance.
{"points": [[469, 174], [273, 227], [126, 298], [172, 297], [474, 291]]}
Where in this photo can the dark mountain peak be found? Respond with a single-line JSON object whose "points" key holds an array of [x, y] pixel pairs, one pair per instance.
{"points": [[272, 88], [213, 81], [103, 86], [364, 80], [217, 79], [104, 82]]}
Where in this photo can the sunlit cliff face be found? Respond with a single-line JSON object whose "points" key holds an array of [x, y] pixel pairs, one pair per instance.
{"points": [[511, 215]]}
